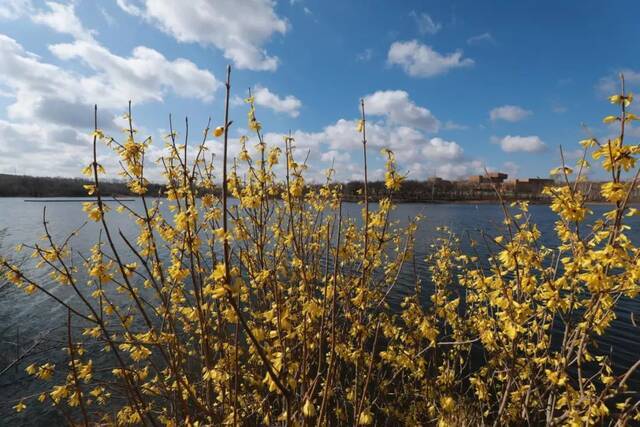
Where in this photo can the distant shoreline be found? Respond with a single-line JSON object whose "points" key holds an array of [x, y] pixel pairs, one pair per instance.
{"points": [[37, 189], [76, 199]]}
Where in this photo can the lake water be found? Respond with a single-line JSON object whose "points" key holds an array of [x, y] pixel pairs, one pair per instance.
{"points": [[30, 316]]}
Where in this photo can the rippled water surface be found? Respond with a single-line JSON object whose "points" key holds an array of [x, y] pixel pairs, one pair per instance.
{"points": [[25, 318]]}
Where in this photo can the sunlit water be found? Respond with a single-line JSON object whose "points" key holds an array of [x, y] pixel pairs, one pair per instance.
{"points": [[30, 317]]}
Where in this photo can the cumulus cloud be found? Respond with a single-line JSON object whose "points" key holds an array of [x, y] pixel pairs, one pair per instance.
{"points": [[394, 121], [50, 106], [289, 104], [340, 142], [238, 29], [509, 113], [335, 156], [459, 170], [439, 149], [426, 24], [399, 109], [13, 9], [62, 18], [528, 144], [41, 149], [420, 60], [146, 75]]}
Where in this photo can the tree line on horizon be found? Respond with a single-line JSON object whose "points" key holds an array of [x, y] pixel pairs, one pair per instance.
{"points": [[411, 191]]}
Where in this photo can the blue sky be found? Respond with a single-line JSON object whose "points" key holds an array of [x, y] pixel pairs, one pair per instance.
{"points": [[452, 87]]}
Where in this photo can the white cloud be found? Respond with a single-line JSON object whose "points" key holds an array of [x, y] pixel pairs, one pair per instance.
{"points": [[400, 110], [426, 25], [289, 104], [144, 76], [14, 9], [420, 60], [459, 170], [439, 149], [239, 28], [528, 144], [50, 106], [451, 170], [62, 18], [509, 113], [130, 7], [484, 38], [343, 135], [419, 155], [337, 156], [42, 150]]}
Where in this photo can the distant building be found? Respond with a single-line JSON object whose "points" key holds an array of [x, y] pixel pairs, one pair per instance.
{"points": [[531, 185], [490, 178], [437, 180]]}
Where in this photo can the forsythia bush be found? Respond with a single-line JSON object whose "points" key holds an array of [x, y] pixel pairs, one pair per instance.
{"points": [[256, 302]]}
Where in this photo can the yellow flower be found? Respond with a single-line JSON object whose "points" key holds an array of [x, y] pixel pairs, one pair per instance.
{"points": [[91, 189], [615, 99], [610, 119], [360, 126], [392, 180], [45, 372], [556, 377], [619, 99], [218, 131], [613, 191], [561, 170], [308, 410], [88, 170], [273, 156], [447, 403], [219, 272], [591, 142], [93, 211], [366, 418], [254, 125], [20, 407], [59, 392], [98, 133], [510, 329], [628, 99]]}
